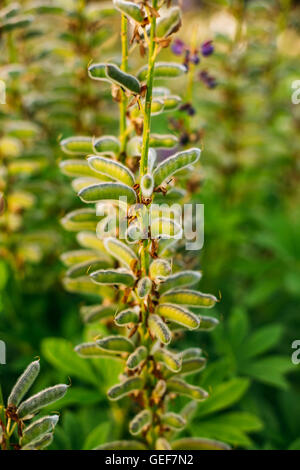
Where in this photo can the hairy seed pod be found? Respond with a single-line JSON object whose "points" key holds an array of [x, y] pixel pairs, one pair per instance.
{"points": [[130, 9], [189, 410], [139, 422], [147, 186], [95, 313], [144, 287], [40, 443], [170, 360], [88, 239], [107, 144], [192, 365], [113, 277], [190, 298], [125, 317], [122, 445], [163, 141], [85, 285], [77, 145], [135, 358], [24, 383], [178, 315], [134, 233], [159, 329], [133, 384], [180, 387], [39, 428], [196, 443], [80, 219], [159, 269], [111, 169], [41, 399], [77, 168], [164, 228], [121, 252], [159, 390], [168, 23], [191, 353], [173, 420], [172, 103], [163, 70], [86, 267], [122, 79], [181, 279], [208, 323], [162, 444], [116, 344], [177, 162], [157, 106], [88, 350], [108, 191], [98, 72], [71, 258]]}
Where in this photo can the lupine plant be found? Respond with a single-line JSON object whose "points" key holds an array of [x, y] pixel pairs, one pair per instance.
{"points": [[17, 431], [128, 261]]}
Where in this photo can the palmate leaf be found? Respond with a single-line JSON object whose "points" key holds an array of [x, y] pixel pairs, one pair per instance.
{"points": [[108, 191]]}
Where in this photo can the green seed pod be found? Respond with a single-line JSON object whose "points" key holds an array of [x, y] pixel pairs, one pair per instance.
{"points": [[134, 233], [38, 428], [178, 315], [138, 356], [86, 267], [130, 9], [89, 350], [106, 144], [157, 106], [122, 445], [113, 276], [80, 256], [98, 72], [128, 316], [122, 79], [159, 269], [16, 22], [152, 157], [89, 240], [147, 186], [168, 23], [189, 410], [172, 103], [173, 420], [140, 422], [195, 443], [192, 365], [208, 323], [191, 353], [85, 285], [23, 383], [144, 287], [121, 252], [181, 279], [46, 8], [83, 182], [108, 191], [95, 313], [189, 297], [133, 384], [40, 443], [164, 228], [24, 167], [170, 360], [40, 400], [163, 70], [177, 162], [76, 168], [22, 129], [77, 145], [159, 390], [80, 219], [112, 169], [116, 344], [159, 329], [162, 444], [163, 141], [180, 387]]}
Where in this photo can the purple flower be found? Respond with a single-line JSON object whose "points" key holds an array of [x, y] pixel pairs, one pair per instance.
{"points": [[188, 108], [178, 47], [207, 48], [195, 59], [207, 79]]}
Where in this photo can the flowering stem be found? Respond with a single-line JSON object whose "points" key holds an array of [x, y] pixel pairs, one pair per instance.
{"points": [[124, 67]]}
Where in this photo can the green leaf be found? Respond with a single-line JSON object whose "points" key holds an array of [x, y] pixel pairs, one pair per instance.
{"points": [[193, 443], [97, 436], [261, 341], [77, 396], [270, 370]]}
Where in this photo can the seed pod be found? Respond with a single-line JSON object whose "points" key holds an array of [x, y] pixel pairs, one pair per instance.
{"points": [[83, 182], [173, 420], [40, 443], [85, 285], [164, 228], [177, 162], [107, 144], [159, 329], [39, 428], [135, 358], [127, 316], [152, 157], [122, 445], [122, 79], [163, 141], [113, 276], [159, 390], [24, 383], [190, 298], [178, 315], [46, 8], [134, 233], [94, 313], [168, 23], [112, 169], [130, 9], [170, 360], [116, 344], [147, 186], [82, 269], [76, 168], [140, 421], [80, 219], [196, 443], [144, 287], [77, 145], [89, 240], [181, 279], [121, 252], [40, 400], [108, 191], [191, 353], [177, 385], [189, 410], [172, 103], [157, 106], [69, 258], [88, 350], [98, 72], [192, 365], [163, 70], [162, 444], [16, 22], [133, 384], [159, 269]]}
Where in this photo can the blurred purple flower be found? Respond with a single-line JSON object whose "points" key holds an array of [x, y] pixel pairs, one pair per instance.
{"points": [[178, 47], [195, 59], [207, 48], [207, 79]]}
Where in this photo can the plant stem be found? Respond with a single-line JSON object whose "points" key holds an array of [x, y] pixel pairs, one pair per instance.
{"points": [[124, 67]]}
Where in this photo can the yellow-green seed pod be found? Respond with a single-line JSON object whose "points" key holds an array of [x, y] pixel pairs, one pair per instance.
{"points": [[135, 358], [80, 219], [88, 239], [113, 276], [77, 145], [130, 9], [162, 444], [77, 168], [168, 23], [121, 252], [208, 323], [108, 191], [173, 420], [178, 315], [196, 443], [172, 103], [191, 353], [133, 384], [23, 383], [24, 167], [159, 390], [39, 428], [87, 267], [116, 344], [85, 285], [170, 360], [164, 228], [180, 387], [91, 349], [181, 279], [122, 79], [177, 162], [159, 269], [122, 445], [83, 182], [112, 169], [10, 147], [128, 316], [163, 141], [147, 186], [192, 365], [40, 400], [39, 443], [69, 258], [107, 144], [190, 298], [140, 422], [22, 129], [163, 70], [159, 329], [95, 313], [144, 287], [157, 106]]}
